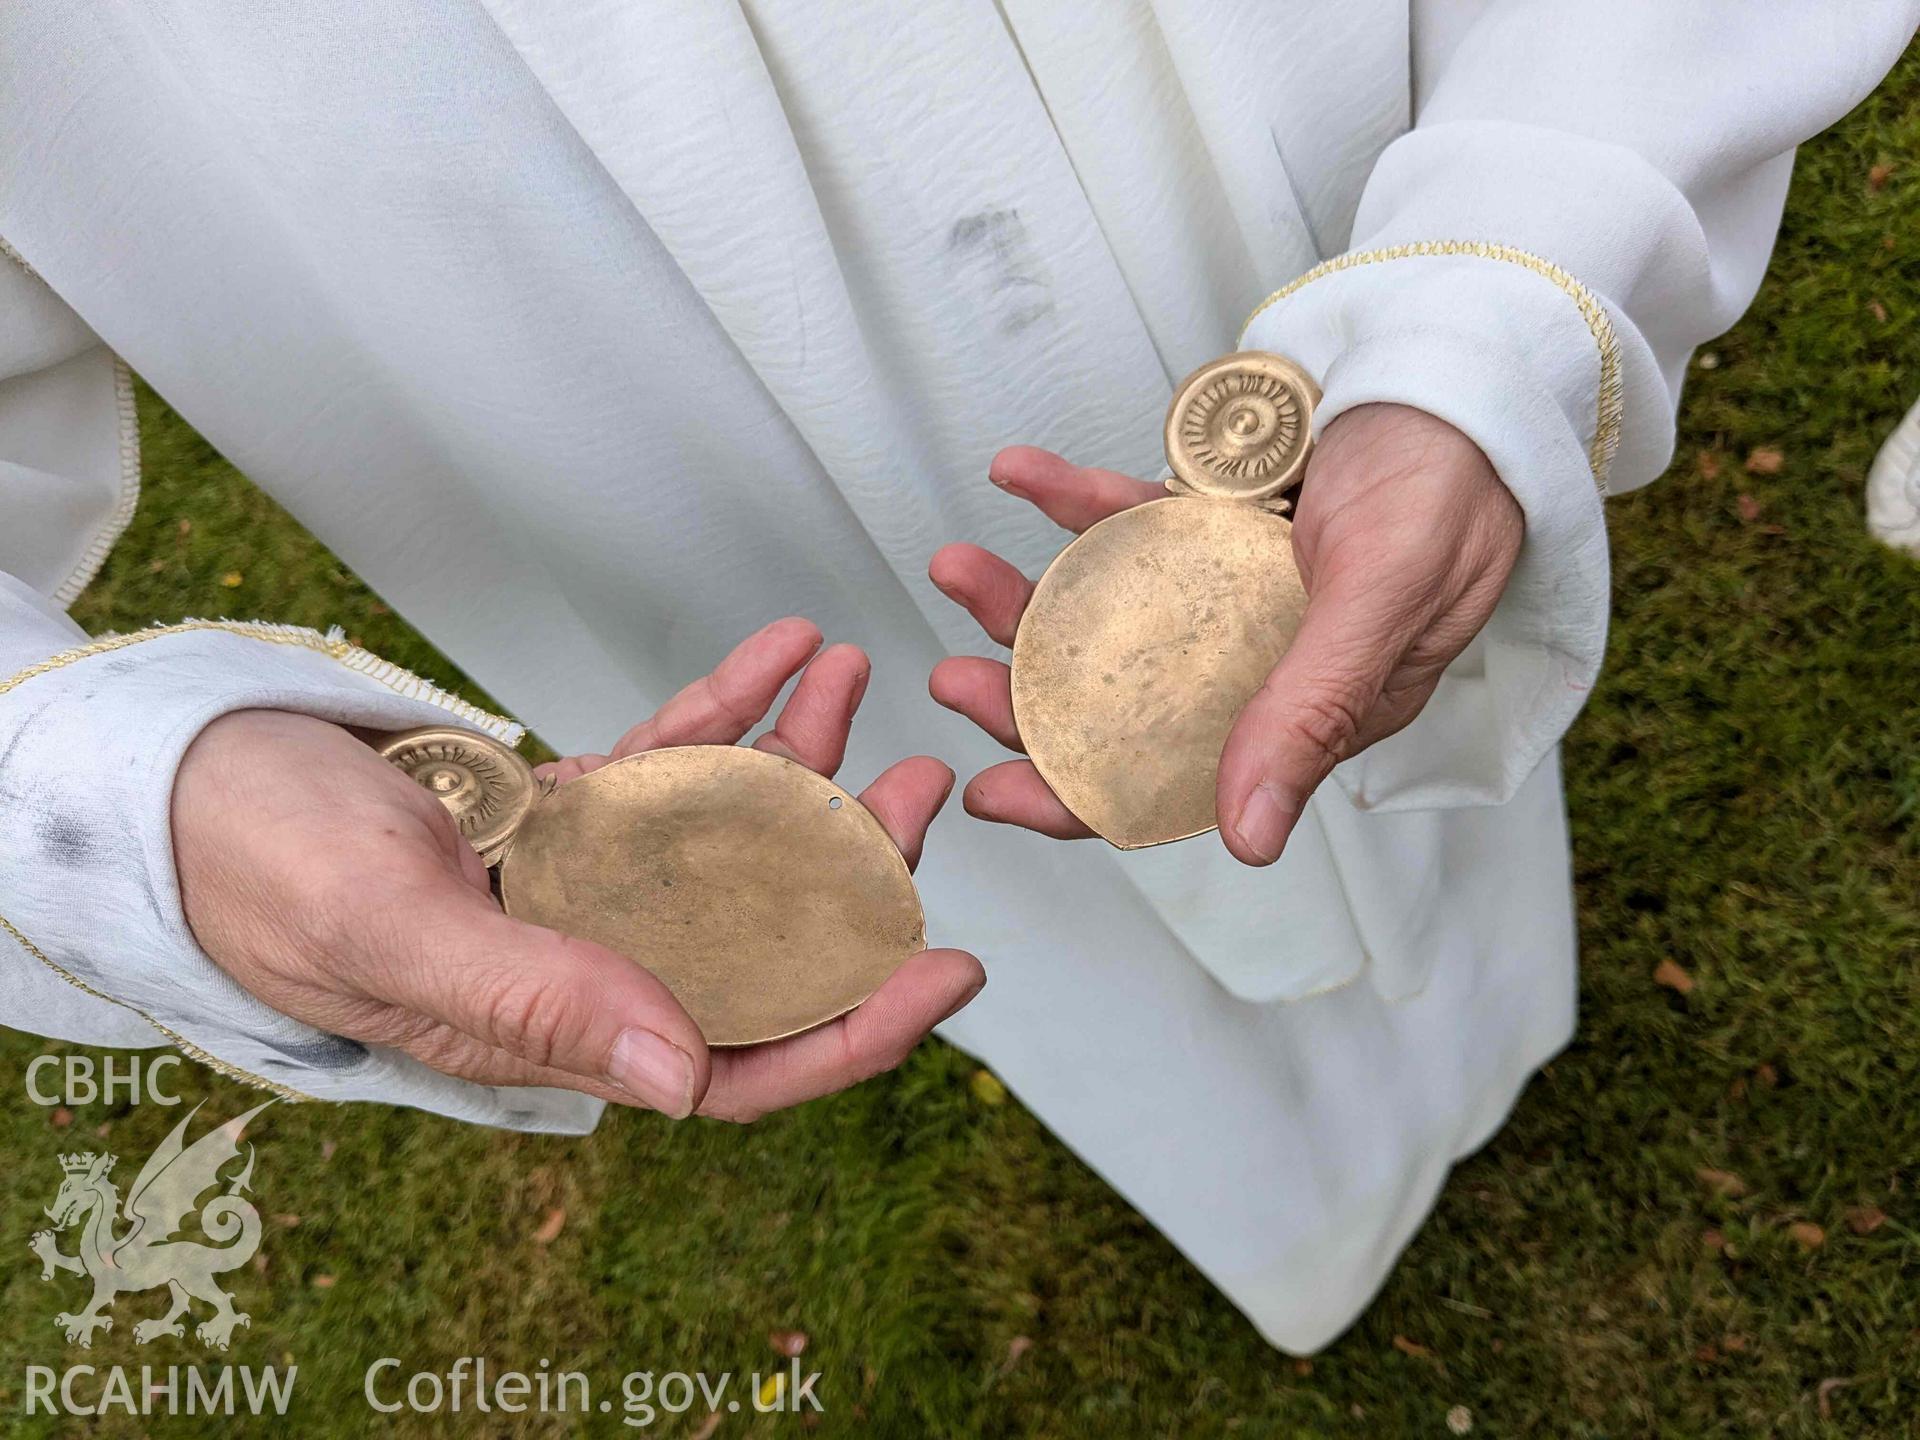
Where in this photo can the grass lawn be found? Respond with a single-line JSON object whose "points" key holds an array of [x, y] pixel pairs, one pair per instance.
{"points": [[1745, 788]]}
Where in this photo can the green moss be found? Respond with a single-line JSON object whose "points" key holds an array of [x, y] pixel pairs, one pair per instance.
{"points": [[1744, 789]]}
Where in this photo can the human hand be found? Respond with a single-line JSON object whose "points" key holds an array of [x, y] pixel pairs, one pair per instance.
{"points": [[341, 893], [1404, 536]]}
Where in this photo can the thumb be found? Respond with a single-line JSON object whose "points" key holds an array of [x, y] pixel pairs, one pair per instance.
{"points": [[1306, 718], [551, 1000]]}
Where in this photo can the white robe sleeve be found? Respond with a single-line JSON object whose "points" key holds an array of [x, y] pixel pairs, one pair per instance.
{"points": [[1587, 193], [96, 947]]}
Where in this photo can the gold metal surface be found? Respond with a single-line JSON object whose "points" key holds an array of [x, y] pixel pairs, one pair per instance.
{"points": [[1148, 634], [486, 785], [1240, 427], [1141, 644], [765, 897]]}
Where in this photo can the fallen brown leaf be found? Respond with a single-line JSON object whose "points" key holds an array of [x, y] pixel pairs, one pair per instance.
{"points": [[1303, 1367], [288, 1220], [551, 1227], [1765, 460], [1713, 1240], [1734, 1344], [790, 1343], [322, 1282], [327, 1147], [61, 1118], [1878, 176], [1808, 1234], [1766, 1075], [1865, 1219], [1707, 1353], [1823, 1395], [1411, 1347], [1708, 463], [1723, 1182], [1673, 976], [1877, 310], [1018, 1346], [1748, 506], [103, 1129], [186, 527], [707, 1427]]}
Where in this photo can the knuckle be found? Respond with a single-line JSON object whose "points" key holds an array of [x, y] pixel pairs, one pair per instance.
{"points": [[734, 709], [1324, 723], [536, 1017]]}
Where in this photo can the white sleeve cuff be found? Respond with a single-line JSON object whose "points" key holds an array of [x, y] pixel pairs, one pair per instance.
{"points": [[1526, 362], [90, 741]]}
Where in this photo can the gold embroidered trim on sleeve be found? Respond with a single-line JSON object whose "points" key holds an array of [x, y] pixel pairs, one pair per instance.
{"points": [[1612, 400], [186, 1047], [9, 253], [128, 499], [333, 645], [125, 504]]}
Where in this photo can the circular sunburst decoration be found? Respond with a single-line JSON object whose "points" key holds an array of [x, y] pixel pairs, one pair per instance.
{"points": [[485, 785], [1238, 426]]}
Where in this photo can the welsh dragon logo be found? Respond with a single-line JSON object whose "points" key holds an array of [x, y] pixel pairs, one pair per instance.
{"points": [[144, 1256]]}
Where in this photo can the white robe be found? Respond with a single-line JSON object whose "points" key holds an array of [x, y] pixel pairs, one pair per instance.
{"points": [[594, 335]]}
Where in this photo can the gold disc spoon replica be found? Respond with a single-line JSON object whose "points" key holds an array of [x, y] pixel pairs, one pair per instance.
{"points": [[1148, 634], [765, 897]]}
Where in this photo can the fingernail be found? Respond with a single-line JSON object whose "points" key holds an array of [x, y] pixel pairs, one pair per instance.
{"points": [[1012, 487], [655, 1070], [1264, 824]]}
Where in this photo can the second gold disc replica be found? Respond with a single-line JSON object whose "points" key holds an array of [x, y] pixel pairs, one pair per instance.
{"points": [[1148, 634], [765, 897]]}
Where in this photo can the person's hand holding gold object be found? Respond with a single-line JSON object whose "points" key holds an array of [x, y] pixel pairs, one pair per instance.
{"points": [[1404, 537], [341, 893]]}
